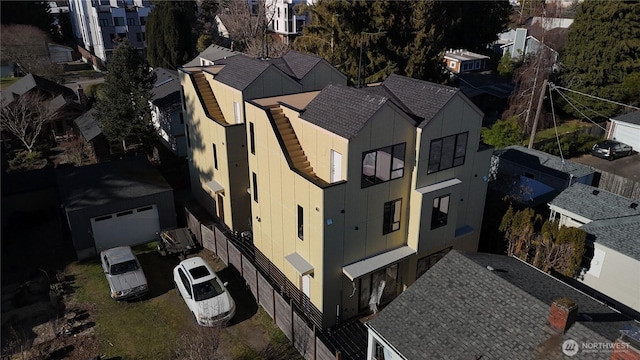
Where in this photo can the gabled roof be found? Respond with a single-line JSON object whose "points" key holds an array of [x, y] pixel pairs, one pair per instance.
{"points": [[461, 308], [87, 125], [299, 63], [166, 90], [424, 99], [30, 82], [343, 110], [240, 71], [542, 161], [212, 53], [631, 118], [107, 182], [619, 234], [593, 203]]}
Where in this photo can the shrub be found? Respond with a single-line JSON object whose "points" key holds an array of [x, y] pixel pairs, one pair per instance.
{"points": [[572, 145]]}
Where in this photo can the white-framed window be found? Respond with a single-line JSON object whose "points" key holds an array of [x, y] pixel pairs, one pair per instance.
{"points": [[237, 112], [391, 219]]}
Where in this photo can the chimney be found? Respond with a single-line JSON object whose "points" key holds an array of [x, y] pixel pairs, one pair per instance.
{"points": [[562, 314], [81, 96]]}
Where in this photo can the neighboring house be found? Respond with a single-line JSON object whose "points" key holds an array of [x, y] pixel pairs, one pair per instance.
{"points": [[549, 23], [612, 258], [534, 177], [60, 98], [91, 133], [100, 25], [626, 129], [285, 22], [486, 306], [115, 203], [522, 45], [211, 56], [214, 114], [463, 61], [166, 111], [356, 192], [59, 53]]}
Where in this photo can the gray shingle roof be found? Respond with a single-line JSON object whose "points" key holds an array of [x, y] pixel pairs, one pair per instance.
{"points": [[299, 63], [166, 90], [30, 82], [212, 53], [593, 203], [240, 71], [103, 183], [542, 161], [342, 110], [422, 98], [631, 118], [87, 125], [621, 234], [459, 309]]}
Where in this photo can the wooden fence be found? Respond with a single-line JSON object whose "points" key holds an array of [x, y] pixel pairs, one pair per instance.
{"points": [[275, 295], [619, 185]]}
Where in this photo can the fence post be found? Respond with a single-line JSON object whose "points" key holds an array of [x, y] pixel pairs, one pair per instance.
{"points": [[315, 344]]}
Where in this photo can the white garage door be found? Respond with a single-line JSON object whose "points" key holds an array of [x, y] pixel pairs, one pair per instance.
{"points": [[627, 134], [130, 227]]}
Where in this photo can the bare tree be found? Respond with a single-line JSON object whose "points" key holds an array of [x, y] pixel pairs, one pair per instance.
{"points": [[27, 47], [27, 116]]}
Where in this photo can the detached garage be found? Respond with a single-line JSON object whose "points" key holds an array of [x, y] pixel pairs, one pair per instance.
{"points": [[626, 129], [116, 203]]}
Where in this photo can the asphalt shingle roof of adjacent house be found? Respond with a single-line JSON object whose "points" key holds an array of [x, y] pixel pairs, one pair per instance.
{"points": [[342, 110], [166, 90], [620, 234], [212, 53], [240, 71], [103, 183], [299, 63], [30, 82], [593, 203], [87, 125], [631, 118], [542, 161], [422, 98], [460, 309]]}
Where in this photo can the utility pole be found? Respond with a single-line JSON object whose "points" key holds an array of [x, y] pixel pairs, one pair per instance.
{"points": [[534, 128]]}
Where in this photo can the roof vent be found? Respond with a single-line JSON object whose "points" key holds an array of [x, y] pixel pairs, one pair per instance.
{"points": [[634, 205], [595, 192], [490, 268]]}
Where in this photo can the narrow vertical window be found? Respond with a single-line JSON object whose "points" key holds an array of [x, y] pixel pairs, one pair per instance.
{"points": [[215, 156], [236, 112], [184, 101], [440, 212], [300, 223], [252, 139], [391, 220], [181, 118], [255, 187], [188, 137]]}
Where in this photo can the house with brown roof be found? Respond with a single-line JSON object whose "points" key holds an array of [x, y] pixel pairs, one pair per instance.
{"points": [[356, 192]]}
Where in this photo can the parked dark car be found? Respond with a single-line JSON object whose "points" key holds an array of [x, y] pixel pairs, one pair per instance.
{"points": [[611, 149]]}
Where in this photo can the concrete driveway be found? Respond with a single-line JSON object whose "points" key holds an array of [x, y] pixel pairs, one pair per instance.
{"points": [[628, 167]]}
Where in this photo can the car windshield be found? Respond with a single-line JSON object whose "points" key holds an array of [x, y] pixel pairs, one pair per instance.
{"points": [[121, 268], [207, 290]]}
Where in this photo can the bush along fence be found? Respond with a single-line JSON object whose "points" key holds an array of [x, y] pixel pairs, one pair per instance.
{"points": [[290, 309]]}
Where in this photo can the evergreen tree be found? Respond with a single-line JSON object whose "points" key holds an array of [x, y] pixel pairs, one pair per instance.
{"points": [[602, 50], [122, 108], [170, 41]]}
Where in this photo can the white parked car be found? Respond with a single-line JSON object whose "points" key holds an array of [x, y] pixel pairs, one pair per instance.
{"points": [[124, 273], [205, 295]]}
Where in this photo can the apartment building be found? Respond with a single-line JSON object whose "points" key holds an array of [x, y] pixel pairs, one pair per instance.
{"points": [[286, 23], [100, 25], [213, 100], [357, 192]]}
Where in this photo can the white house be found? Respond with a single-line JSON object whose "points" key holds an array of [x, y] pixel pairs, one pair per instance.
{"points": [[626, 128], [166, 111]]}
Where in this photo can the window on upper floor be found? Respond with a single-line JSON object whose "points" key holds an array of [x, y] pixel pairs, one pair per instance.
{"points": [[300, 223], [383, 164], [428, 261], [184, 101], [255, 187], [181, 118], [131, 21], [447, 152], [118, 21], [391, 220], [104, 22], [237, 112], [252, 139], [215, 157], [440, 211], [139, 37], [143, 20], [188, 137]]}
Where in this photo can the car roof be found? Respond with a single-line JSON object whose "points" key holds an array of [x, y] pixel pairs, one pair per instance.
{"points": [[609, 142], [194, 267], [118, 254]]}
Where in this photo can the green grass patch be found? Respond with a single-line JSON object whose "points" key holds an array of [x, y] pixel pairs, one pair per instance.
{"points": [[6, 81], [563, 128]]}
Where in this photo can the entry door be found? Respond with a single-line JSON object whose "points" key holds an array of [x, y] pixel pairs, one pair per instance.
{"points": [[221, 207], [306, 285], [336, 166]]}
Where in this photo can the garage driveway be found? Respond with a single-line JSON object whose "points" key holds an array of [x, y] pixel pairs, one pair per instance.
{"points": [[628, 167]]}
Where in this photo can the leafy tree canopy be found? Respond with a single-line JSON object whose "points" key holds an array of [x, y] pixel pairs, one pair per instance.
{"points": [[503, 133], [368, 40], [35, 13], [122, 107], [170, 42], [602, 50]]}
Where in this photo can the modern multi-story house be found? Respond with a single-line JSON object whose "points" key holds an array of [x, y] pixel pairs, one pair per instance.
{"points": [[99, 25], [214, 113], [357, 192], [285, 22]]}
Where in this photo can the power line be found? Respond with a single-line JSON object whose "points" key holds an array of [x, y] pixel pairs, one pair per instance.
{"points": [[595, 97], [580, 112]]}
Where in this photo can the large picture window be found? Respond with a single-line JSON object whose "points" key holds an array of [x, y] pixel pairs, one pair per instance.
{"points": [[391, 221], [447, 152], [383, 164], [440, 211]]}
